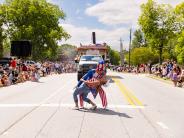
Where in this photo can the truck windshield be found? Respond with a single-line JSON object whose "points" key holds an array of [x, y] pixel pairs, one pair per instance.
{"points": [[91, 58]]}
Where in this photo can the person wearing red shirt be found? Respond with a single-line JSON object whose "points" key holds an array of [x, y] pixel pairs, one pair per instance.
{"points": [[14, 63]]}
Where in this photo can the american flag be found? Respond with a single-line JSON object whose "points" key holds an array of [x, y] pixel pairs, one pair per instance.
{"points": [[102, 97], [81, 101]]}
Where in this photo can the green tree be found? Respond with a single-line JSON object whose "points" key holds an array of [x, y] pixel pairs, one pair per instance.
{"points": [[179, 49], [157, 23], [141, 55], [179, 20], [1, 42], [35, 20], [138, 40], [6, 47], [67, 52], [171, 48], [114, 56], [2, 35]]}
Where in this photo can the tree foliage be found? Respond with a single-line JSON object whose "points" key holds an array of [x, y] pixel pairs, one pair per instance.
{"points": [[114, 56], [141, 55], [6, 47], [179, 13], [1, 42], [157, 24], [67, 52], [179, 49], [138, 40]]}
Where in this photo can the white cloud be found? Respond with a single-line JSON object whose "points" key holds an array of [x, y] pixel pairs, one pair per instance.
{"points": [[114, 12], [83, 35]]}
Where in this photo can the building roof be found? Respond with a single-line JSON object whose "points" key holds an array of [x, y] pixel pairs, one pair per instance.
{"points": [[93, 47]]}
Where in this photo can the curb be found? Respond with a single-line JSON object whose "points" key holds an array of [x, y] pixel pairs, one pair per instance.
{"points": [[160, 79]]}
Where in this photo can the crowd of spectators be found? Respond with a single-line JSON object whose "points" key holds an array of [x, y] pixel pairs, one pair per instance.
{"points": [[143, 68], [18, 71], [168, 70]]}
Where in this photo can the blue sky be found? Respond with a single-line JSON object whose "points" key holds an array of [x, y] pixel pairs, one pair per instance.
{"points": [[110, 19], [75, 11]]}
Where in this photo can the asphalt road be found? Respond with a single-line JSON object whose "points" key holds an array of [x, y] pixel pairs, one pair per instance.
{"points": [[138, 107]]}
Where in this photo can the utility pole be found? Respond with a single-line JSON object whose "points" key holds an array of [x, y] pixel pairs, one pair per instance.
{"points": [[121, 52], [130, 46]]}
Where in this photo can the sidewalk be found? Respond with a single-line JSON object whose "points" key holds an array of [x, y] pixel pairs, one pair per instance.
{"points": [[161, 79]]}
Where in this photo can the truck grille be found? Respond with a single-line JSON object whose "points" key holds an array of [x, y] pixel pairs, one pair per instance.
{"points": [[87, 67]]}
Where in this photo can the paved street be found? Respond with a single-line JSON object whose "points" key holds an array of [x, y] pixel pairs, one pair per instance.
{"points": [[138, 107]]}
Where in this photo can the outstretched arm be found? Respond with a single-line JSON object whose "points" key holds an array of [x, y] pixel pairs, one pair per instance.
{"points": [[85, 77]]}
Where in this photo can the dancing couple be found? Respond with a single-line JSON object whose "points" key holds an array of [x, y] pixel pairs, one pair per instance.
{"points": [[91, 82]]}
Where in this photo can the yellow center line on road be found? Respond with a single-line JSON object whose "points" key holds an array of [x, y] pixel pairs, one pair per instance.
{"points": [[130, 97], [122, 89]]}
